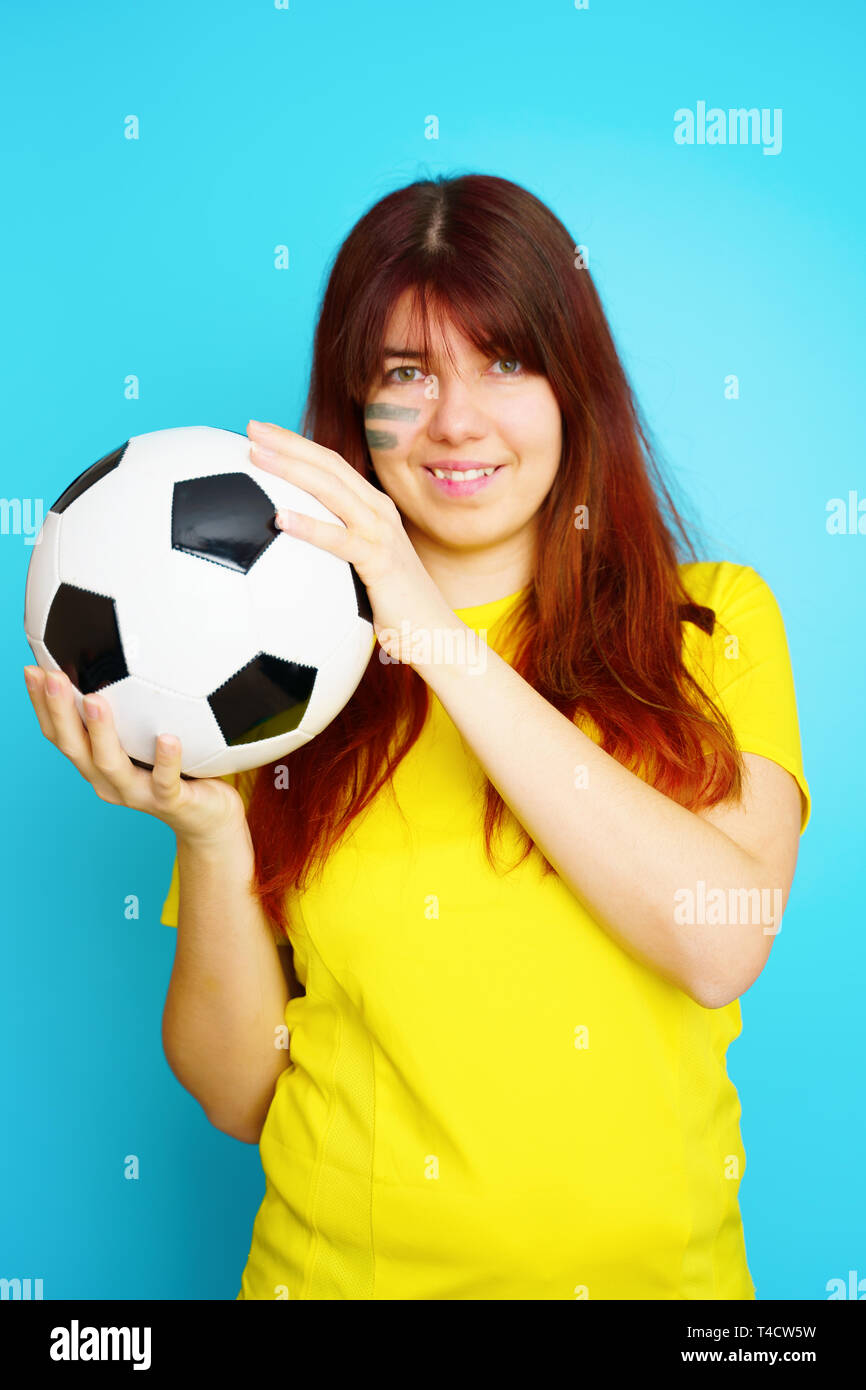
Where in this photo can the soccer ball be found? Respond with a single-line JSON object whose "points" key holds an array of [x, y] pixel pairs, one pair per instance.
{"points": [[160, 579]]}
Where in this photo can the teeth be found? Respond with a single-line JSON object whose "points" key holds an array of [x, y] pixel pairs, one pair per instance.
{"points": [[463, 477]]}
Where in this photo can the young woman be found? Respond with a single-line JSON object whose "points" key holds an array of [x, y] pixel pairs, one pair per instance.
{"points": [[523, 881]]}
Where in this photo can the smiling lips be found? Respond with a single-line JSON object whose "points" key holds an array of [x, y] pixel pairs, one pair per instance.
{"points": [[461, 481], [463, 473], [460, 467]]}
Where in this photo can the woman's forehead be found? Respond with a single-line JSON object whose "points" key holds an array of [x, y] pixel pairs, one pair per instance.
{"points": [[403, 334]]}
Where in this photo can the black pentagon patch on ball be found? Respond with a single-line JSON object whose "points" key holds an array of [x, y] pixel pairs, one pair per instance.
{"points": [[82, 636], [226, 518], [90, 476], [265, 698], [361, 597]]}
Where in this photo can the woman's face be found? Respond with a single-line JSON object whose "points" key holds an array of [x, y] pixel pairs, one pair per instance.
{"points": [[477, 413]]}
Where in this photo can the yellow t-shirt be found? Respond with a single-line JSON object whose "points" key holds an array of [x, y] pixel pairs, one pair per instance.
{"points": [[487, 1098]]}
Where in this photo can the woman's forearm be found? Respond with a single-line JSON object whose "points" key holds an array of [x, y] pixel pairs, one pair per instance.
{"points": [[228, 993], [624, 849]]}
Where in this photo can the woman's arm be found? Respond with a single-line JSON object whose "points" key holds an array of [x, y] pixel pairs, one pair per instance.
{"points": [[228, 992], [627, 851]]}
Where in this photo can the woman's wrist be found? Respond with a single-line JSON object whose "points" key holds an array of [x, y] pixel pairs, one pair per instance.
{"points": [[219, 844]]}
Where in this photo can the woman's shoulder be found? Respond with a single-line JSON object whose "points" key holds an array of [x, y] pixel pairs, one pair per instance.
{"points": [[713, 582], [733, 594]]}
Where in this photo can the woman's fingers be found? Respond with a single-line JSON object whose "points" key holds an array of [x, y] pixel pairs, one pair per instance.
{"points": [[36, 691], [165, 778], [60, 722], [95, 750], [109, 763], [56, 710]]}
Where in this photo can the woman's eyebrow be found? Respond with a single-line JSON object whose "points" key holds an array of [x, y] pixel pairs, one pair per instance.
{"points": [[400, 352]]}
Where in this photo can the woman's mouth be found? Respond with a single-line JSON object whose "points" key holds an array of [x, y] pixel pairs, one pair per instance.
{"points": [[463, 482]]}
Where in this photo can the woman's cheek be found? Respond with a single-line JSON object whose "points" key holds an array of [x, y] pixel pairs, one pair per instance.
{"points": [[386, 424]]}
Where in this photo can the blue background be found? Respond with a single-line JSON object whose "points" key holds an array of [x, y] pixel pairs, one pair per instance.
{"points": [[155, 257]]}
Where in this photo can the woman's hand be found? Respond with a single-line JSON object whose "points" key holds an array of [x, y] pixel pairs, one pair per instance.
{"points": [[200, 810], [403, 597]]}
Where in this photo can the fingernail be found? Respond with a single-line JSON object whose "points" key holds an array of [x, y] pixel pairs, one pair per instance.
{"points": [[52, 685], [257, 451], [29, 677], [91, 709]]}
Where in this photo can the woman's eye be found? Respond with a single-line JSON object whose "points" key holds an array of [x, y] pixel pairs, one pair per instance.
{"points": [[390, 375], [513, 368]]}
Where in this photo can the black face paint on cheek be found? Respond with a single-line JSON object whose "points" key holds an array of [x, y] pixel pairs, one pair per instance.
{"points": [[381, 439], [384, 439], [382, 411]]}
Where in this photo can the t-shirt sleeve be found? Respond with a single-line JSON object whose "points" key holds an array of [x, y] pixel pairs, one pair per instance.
{"points": [[168, 917], [753, 678]]}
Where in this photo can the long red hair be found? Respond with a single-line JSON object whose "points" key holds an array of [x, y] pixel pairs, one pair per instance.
{"points": [[598, 631]]}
